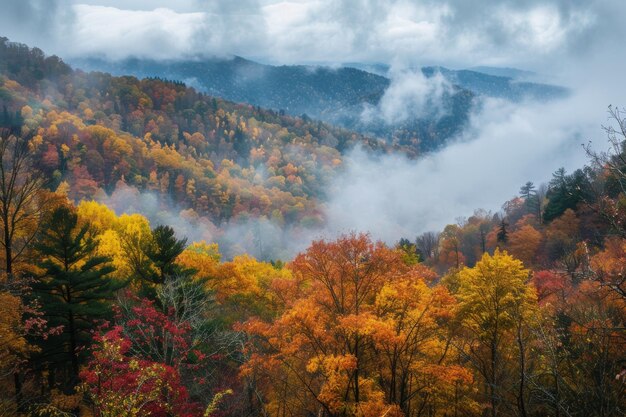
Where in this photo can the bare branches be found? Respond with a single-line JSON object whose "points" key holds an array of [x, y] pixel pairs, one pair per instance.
{"points": [[21, 202], [614, 159]]}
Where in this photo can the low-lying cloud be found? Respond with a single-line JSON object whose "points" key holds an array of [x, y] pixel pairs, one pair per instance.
{"points": [[504, 145], [410, 95], [260, 237]]}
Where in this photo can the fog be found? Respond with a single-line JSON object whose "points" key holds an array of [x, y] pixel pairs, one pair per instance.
{"points": [[504, 146]]}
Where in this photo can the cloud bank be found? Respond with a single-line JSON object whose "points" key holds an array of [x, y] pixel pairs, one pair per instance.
{"points": [[535, 34]]}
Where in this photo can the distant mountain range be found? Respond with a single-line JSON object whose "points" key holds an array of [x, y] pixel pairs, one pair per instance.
{"points": [[335, 95]]}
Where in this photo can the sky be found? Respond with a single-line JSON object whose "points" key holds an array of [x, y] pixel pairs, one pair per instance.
{"points": [[533, 34], [574, 43]]}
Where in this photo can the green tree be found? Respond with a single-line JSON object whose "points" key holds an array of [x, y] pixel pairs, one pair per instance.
{"points": [[163, 251], [531, 200], [566, 192], [73, 290]]}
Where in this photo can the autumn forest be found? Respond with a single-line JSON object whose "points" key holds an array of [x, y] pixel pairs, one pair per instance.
{"points": [[107, 311]]}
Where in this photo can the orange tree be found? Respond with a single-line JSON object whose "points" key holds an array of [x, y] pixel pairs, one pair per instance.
{"points": [[360, 339]]}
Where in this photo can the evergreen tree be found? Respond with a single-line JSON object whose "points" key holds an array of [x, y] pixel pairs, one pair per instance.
{"points": [[73, 290], [163, 252], [531, 200], [566, 192], [503, 234]]}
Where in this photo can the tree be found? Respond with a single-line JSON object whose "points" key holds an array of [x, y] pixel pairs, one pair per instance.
{"points": [[613, 161], [74, 288], [428, 245], [503, 234], [124, 385], [609, 266], [566, 192], [411, 252], [21, 200], [524, 243], [158, 261], [317, 352], [531, 199], [161, 359], [495, 303]]}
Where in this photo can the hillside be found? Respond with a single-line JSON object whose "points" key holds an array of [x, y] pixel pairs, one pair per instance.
{"points": [[96, 132], [336, 95]]}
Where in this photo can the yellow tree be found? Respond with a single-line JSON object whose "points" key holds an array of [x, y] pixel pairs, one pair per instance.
{"points": [[412, 347], [496, 305], [122, 238], [21, 199]]}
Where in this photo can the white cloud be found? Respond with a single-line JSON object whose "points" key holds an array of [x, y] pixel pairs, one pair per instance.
{"points": [[533, 34], [506, 145], [102, 30], [410, 94]]}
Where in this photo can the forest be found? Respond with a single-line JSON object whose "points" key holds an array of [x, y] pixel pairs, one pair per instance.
{"points": [[515, 313]]}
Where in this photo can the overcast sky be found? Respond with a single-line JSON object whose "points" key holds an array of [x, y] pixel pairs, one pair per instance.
{"points": [[531, 34]]}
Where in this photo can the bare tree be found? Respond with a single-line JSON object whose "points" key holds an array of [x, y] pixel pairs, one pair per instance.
{"points": [[614, 159], [21, 202], [428, 244]]}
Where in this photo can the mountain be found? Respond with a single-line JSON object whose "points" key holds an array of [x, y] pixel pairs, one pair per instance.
{"points": [[316, 91], [513, 73], [340, 96], [509, 86], [113, 138]]}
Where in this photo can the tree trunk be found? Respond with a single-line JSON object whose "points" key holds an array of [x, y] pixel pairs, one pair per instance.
{"points": [[492, 383], [522, 365], [73, 347], [18, 391]]}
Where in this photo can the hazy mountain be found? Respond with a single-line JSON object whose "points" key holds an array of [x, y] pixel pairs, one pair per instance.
{"points": [[342, 96]]}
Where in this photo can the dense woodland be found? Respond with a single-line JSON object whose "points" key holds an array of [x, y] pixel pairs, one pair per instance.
{"points": [[335, 95], [518, 313]]}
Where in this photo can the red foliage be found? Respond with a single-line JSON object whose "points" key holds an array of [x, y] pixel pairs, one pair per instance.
{"points": [[117, 378], [550, 285]]}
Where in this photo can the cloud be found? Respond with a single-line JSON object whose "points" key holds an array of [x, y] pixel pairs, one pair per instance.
{"points": [[410, 95], [532, 34], [156, 33], [505, 145], [213, 28], [45, 24]]}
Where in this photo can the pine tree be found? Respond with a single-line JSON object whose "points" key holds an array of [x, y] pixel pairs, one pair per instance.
{"points": [[73, 289], [163, 252], [531, 200]]}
